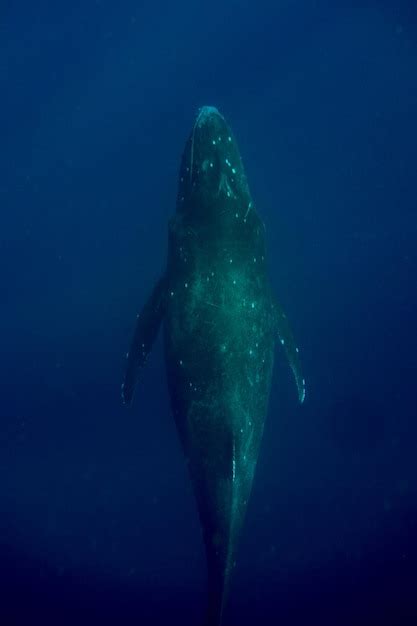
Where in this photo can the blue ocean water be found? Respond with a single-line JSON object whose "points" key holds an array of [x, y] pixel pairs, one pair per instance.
{"points": [[97, 519]]}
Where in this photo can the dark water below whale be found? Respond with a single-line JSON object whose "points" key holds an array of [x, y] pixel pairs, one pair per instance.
{"points": [[97, 519]]}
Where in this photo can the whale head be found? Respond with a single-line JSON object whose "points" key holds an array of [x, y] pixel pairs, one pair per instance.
{"points": [[212, 175]]}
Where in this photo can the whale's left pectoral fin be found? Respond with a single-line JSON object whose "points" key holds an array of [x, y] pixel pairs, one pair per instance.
{"points": [[147, 327], [286, 339]]}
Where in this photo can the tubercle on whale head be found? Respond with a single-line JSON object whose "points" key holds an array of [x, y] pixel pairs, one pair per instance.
{"points": [[212, 171]]}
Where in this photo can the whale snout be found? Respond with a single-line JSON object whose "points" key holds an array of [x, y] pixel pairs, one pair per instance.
{"points": [[207, 114], [210, 125], [211, 171]]}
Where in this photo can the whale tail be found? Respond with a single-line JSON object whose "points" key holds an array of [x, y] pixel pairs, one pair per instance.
{"points": [[219, 574], [222, 504]]}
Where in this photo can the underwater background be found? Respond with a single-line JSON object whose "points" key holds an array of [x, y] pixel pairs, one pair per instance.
{"points": [[97, 518]]}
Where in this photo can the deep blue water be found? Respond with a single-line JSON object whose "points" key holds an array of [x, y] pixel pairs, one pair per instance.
{"points": [[97, 517]]}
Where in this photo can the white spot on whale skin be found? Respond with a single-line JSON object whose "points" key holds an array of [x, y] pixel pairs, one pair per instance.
{"points": [[297, 350], [282, 342]]}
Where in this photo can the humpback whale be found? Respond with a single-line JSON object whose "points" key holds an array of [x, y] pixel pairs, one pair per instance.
{"points": [[221, 324]]}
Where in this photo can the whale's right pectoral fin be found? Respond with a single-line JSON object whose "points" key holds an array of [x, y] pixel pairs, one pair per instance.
{"points": [[147, 327], [286, 339]]}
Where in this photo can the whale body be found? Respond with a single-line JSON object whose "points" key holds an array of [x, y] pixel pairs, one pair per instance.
{"points": [[221, 324]]}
